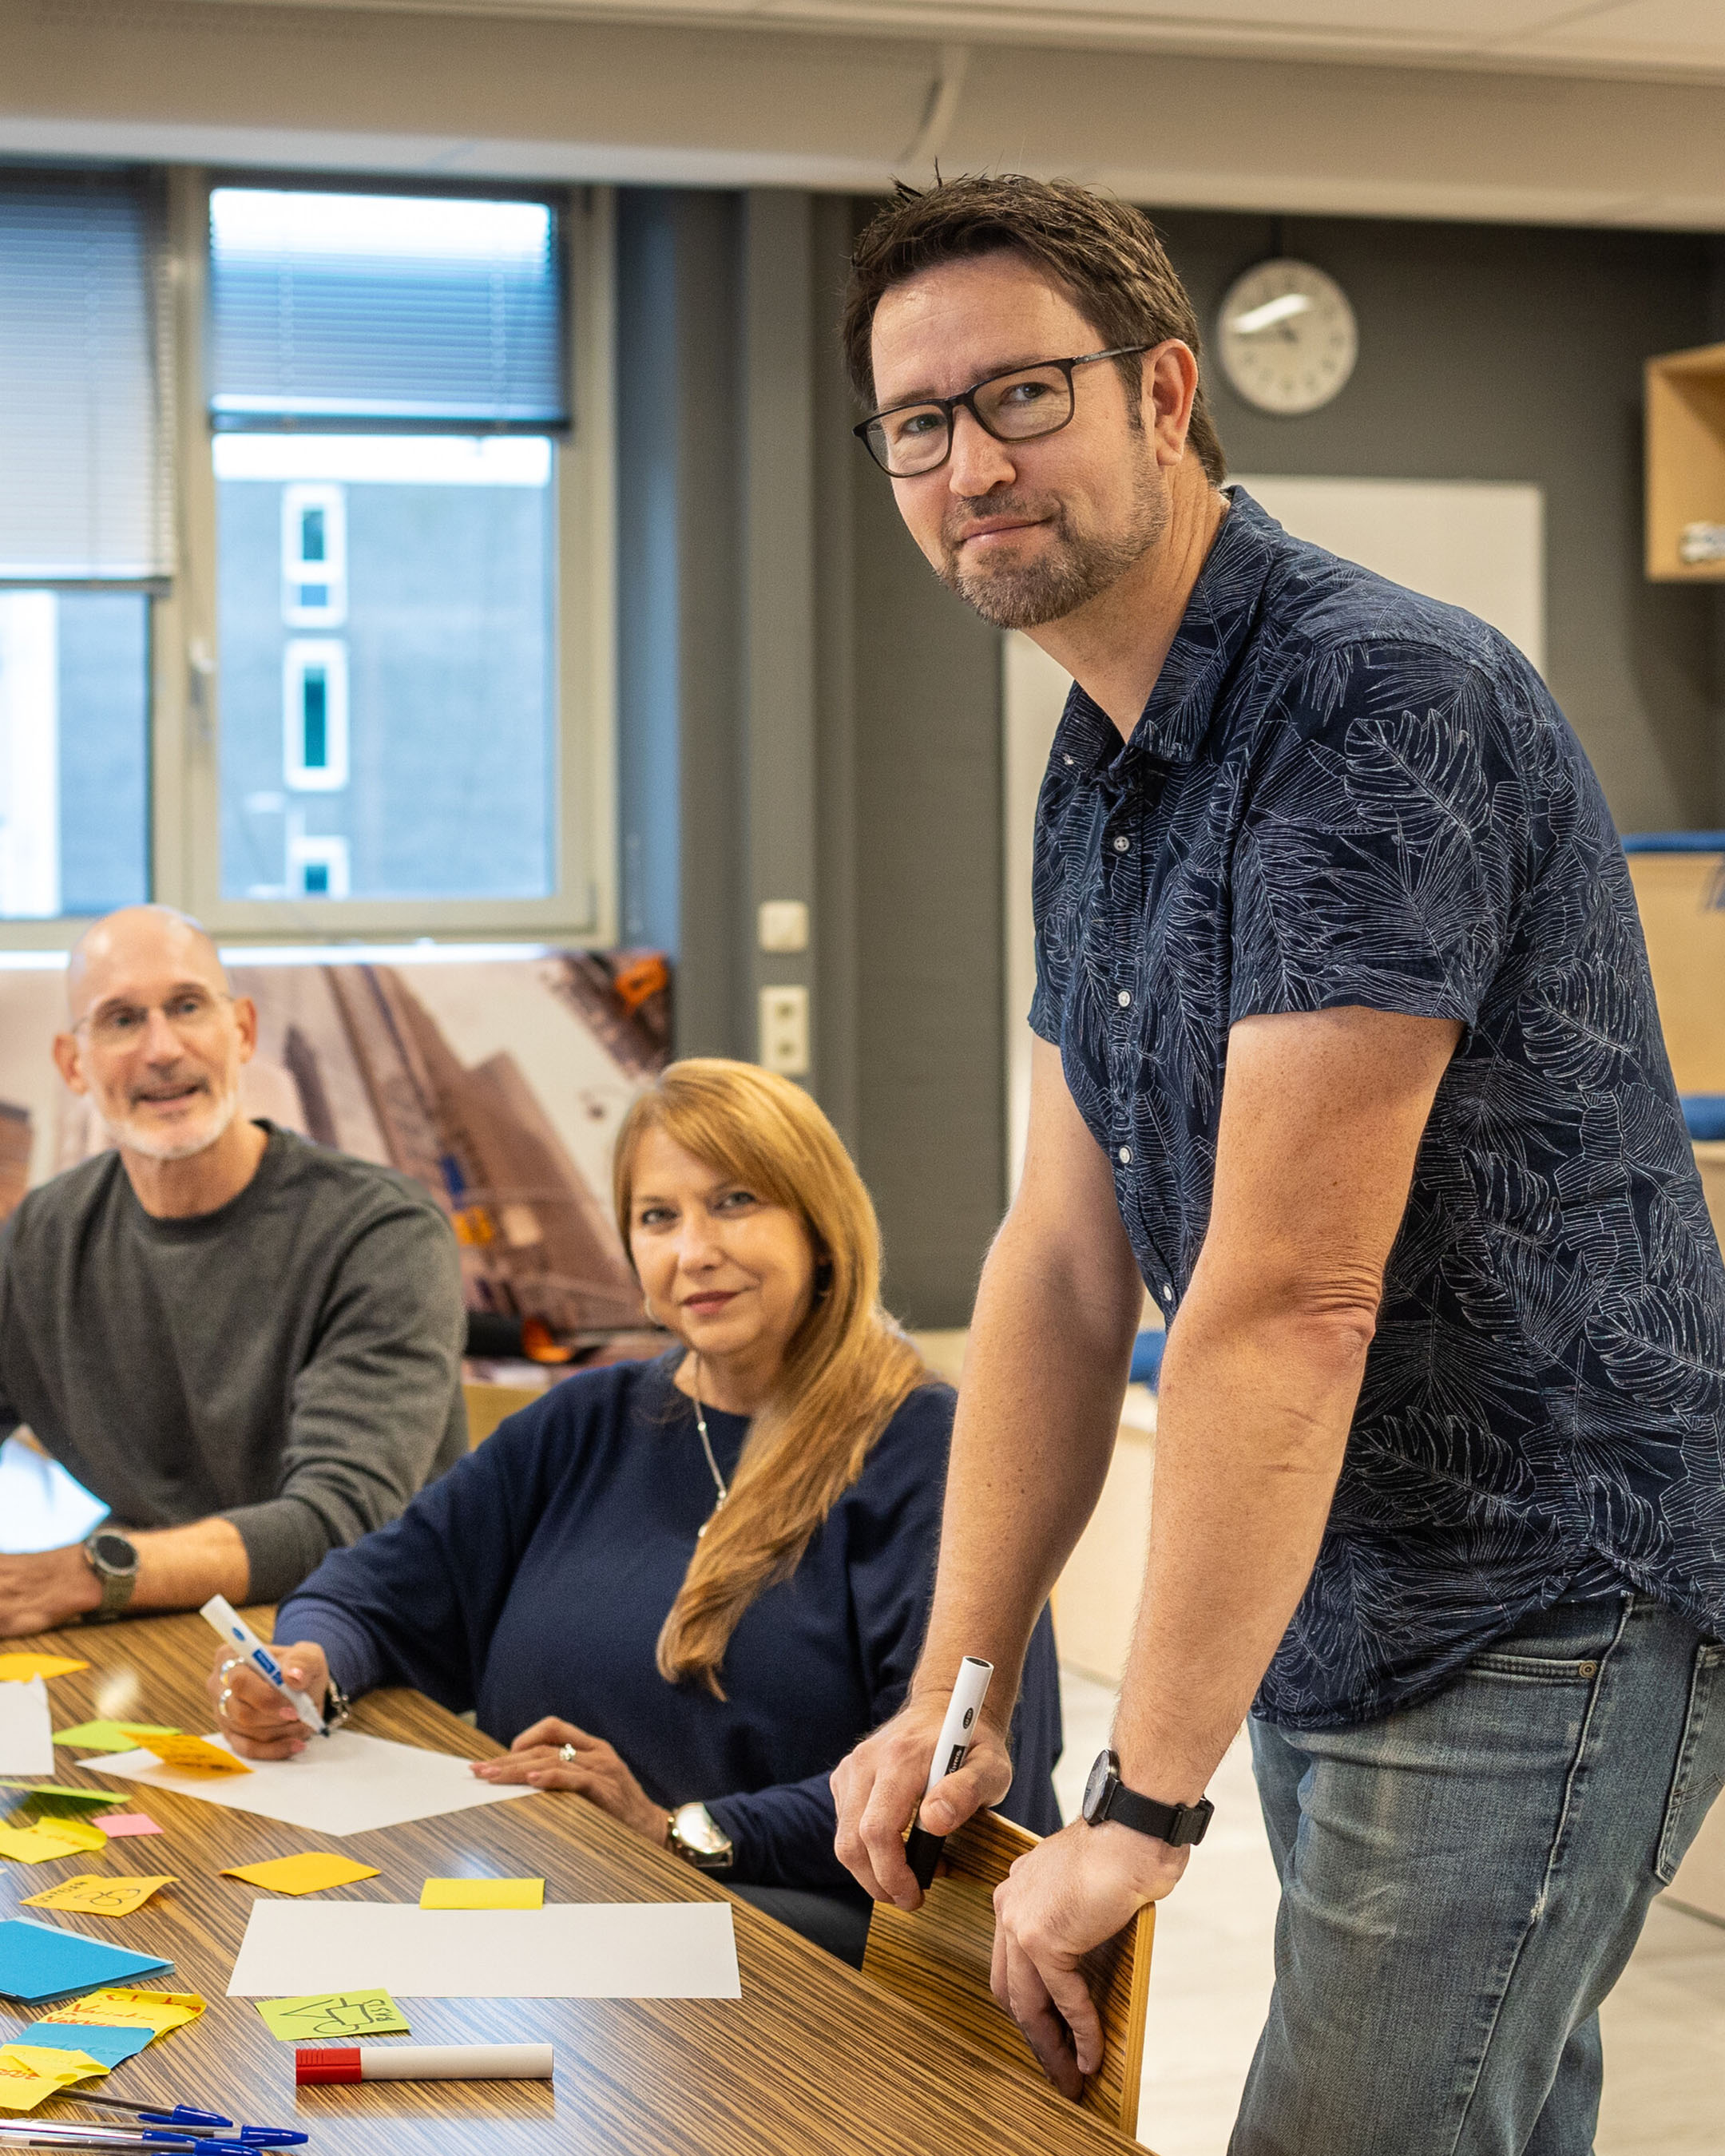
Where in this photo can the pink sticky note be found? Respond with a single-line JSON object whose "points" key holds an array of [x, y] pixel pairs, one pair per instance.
{"points": [[114, 1823]]}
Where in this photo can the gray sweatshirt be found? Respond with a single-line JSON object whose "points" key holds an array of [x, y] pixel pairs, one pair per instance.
{"points": [[291, 1361]]}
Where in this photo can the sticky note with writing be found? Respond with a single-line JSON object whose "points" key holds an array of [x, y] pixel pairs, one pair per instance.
{"points": [[301, 1875], [98, 1894], [28, 2074], [181, 1752], [334, 2014], [482, 1894], [119, 2007]]}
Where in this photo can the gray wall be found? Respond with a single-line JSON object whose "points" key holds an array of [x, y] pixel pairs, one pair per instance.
{"points": [[788, 657], [805, 713], [1498, 353]]}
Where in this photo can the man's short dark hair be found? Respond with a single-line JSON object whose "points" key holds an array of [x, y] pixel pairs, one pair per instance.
{"points": [[1105, 255]]}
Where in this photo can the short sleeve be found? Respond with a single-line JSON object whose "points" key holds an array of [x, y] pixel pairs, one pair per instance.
{"points": [[1381, 832]]}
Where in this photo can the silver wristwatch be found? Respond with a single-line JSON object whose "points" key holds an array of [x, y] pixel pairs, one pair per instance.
{"points": [[696, 1836], [113, 1558]]}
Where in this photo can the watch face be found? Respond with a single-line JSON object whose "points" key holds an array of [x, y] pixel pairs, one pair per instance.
{"points": [[113, 1552], [1103, 1776], [696, 1829], [1287, 337]]}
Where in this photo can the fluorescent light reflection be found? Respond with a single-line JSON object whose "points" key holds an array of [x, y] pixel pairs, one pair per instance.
{"points": [[272, 222], [1271, 312]]}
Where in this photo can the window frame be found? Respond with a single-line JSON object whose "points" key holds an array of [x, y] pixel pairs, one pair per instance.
{"points": [[184, 659]]}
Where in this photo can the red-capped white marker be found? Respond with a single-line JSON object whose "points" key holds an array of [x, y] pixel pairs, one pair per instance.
{"points": [[421, 2062]]}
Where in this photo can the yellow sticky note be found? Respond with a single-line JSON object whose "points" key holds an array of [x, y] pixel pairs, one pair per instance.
{"points": [[482, 1894], [40, 1844], [71, 1829], [176, 1750], [119, 2007], [30, 2072], [334, 2014], [19, 1669], [47, 2058], [98, 1894], [302, 1875]]}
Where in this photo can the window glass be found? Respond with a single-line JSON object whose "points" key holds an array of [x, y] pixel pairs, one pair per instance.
{"points": [[387, 663], [73, 752]]}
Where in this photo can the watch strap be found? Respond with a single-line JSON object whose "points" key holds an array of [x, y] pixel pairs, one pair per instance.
{"points": [[1181, 1826]]}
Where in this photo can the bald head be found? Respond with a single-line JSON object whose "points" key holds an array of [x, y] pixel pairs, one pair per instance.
{"points": [[138, 941]]}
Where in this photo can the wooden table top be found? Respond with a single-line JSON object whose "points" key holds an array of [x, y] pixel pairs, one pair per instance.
{"points": [[813, 2057]]}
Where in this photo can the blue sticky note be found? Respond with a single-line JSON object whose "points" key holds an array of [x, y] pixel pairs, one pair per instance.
{"points": [[112, 2046], [36, 1962]]}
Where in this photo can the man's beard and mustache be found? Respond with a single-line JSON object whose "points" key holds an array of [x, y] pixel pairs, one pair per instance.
{"points": [[1068, 575], [125, 1129]]}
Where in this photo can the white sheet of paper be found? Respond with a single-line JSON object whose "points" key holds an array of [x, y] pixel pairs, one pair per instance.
{"points": [[26, 1732], [566, 1950], [346, 1784]]}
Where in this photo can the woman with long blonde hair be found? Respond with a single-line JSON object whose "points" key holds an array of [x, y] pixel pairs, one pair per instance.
{"points": [[684, 1588]]}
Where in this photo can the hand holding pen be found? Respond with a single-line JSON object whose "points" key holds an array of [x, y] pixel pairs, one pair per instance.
{"points": [[256, 1717], [886, 1783]]}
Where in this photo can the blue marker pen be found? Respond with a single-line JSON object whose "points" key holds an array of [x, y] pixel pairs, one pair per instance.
{"points": [[221, 1616]]}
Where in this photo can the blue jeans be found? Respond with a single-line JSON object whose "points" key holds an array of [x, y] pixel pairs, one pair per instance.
{"points": [[1463, 1882]]}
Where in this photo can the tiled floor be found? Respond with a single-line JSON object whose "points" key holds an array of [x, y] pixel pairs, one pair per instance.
{"points": [[1665, 2023]]}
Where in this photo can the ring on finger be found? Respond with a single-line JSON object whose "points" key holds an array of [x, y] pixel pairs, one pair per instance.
{"points": [[565, 1753]]}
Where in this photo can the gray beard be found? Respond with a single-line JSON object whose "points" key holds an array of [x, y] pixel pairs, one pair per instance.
{"points": [[1073, 572], [120, 1129]]}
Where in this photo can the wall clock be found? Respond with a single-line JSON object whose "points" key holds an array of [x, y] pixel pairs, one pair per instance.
{"points": [[1287, 337]]}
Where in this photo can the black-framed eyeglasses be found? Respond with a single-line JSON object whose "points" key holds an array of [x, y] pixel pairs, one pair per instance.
{"points": [[909, 439]]}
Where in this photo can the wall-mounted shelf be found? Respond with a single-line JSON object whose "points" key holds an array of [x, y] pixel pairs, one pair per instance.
{"points": [[1686, 464]]}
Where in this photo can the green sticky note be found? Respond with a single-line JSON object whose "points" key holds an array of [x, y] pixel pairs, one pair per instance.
{"points": [[109, 1737], [334, 2014], [68, 1800]]}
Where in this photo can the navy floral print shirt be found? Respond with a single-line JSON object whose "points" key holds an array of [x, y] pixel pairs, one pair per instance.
{"points": [[1342, 793]]}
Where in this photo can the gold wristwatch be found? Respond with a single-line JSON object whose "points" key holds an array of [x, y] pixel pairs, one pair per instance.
{"points": [[693, 1833]]}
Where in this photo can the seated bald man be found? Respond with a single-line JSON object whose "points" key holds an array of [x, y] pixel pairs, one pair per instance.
{"points": [[246, 1345]]}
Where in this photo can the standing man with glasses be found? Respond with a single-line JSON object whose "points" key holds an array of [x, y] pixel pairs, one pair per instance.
{"points": [[249, 1346], [1347, 1051]]}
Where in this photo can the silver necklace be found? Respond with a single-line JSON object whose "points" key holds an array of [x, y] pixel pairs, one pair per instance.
{"points": [[706, 1446]]}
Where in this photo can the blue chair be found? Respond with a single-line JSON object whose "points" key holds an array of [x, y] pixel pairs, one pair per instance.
{"points": [[1147, 1354]]}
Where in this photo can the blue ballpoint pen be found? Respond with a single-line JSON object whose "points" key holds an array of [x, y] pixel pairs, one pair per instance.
{"points": [[209, 2129]]}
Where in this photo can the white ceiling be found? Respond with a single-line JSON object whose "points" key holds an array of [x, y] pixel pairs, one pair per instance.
{"points": [[1675, 38], [1593, 126]]}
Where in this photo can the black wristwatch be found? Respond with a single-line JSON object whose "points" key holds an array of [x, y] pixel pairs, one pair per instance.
{"points": [[113, 1558], [1107, 1797]]}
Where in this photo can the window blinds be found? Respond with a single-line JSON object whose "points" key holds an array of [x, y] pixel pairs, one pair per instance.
{"points": [[377, 311], [85, 493]]}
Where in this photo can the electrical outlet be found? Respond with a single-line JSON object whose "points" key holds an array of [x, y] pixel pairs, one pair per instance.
{"points": [[784, 1031], [783, 925]]}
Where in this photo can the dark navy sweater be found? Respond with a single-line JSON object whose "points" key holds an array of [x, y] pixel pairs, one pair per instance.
{"points": [[534, 1576]]}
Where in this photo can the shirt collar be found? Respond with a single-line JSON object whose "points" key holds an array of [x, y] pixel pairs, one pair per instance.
{"points": [[1219, 615]]}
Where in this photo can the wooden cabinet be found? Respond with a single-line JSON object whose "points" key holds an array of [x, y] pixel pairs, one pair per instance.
{"points": [[1686, 463]]}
